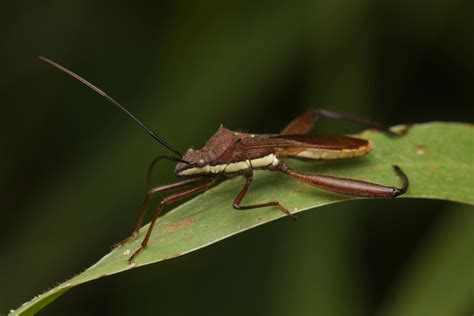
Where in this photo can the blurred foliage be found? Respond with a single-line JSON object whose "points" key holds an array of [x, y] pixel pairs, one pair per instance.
{"points": [[72, 168]]}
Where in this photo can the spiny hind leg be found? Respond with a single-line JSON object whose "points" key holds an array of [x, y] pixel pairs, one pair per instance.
{"points": [[303, 124], [349, 186]]}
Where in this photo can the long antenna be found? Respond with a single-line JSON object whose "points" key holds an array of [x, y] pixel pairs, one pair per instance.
{"points": [[111, 100]]}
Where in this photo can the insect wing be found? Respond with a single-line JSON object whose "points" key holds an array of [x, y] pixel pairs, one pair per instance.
{"points": [[305, 141]]}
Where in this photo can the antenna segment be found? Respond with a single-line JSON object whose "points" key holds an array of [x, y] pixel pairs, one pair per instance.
{"points": [[111, 100]]}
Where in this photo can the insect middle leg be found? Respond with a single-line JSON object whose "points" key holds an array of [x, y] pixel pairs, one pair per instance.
{"points": [[349, 186], [248, 181]]}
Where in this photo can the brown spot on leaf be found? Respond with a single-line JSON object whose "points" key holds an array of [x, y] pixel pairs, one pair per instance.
{"points": [[173, 227], [433, 168], [420, 149]]}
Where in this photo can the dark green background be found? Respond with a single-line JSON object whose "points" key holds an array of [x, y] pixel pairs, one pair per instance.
{"points": [[72, 167]]}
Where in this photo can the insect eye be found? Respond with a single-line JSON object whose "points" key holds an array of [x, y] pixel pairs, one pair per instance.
{"points": [[201, 163]]}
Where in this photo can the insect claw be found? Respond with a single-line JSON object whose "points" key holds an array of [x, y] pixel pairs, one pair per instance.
{"points": [[126, 240], [130, 260], [288, 214]]}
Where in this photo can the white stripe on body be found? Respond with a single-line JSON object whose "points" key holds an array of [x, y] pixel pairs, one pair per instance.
{"points": [[269, 160]]}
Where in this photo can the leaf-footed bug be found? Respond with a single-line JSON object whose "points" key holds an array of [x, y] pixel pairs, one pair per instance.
{"points": [[229, 154]]}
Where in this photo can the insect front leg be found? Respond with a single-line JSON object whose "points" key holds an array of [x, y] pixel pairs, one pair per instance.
{"points": [[349, 186], [152, 191], [168, 200], [248, 181]]}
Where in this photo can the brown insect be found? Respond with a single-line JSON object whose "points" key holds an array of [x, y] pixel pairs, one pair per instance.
{"points": [[229, 154]]}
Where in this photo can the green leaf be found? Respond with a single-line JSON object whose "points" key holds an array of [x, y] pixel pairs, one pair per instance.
{"points": [[437, 157]]}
